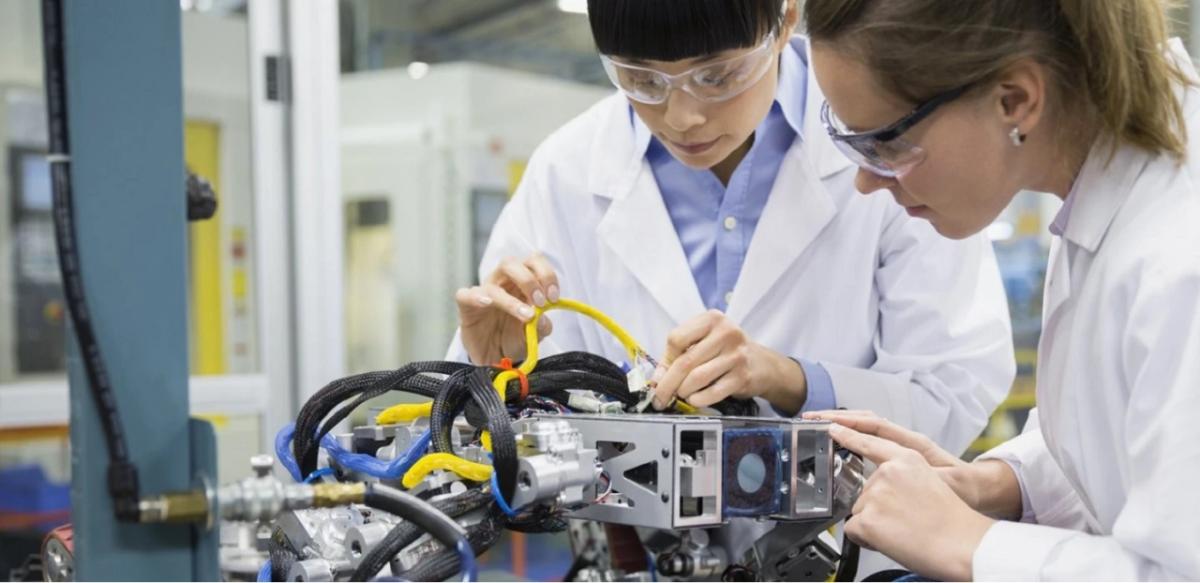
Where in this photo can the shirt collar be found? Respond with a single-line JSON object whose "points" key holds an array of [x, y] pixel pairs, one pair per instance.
{"points": [[1059, 226]]}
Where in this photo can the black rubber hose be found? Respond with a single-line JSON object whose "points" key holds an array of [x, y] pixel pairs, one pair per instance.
{"points": [[576, 566], [406, 533], [421, 513], [122, 474], [847, 567]]}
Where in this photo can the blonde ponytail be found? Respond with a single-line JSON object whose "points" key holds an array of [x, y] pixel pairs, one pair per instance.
{"points": [[1109, 57], [1129, 78]]}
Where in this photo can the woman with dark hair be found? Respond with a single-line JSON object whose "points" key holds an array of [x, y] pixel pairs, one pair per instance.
{"points": [[704, 207], [953, 107]]}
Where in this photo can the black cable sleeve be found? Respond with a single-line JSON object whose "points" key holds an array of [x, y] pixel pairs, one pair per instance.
{"points": [[406, 533], [306, 443], [122, 474], [476, 385], [446, 406], [445, 563], [282, 554], [542, 521], [731, 407]]}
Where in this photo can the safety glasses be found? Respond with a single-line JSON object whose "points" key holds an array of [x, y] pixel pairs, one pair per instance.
{"points": [[884, 151], [711, 82]]}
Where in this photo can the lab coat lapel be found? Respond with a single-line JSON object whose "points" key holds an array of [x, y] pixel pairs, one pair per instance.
{"points": [[639, 231], [798, 209], [636, 226]]}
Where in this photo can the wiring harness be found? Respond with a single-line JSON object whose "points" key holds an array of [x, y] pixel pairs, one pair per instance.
{"points": [[490, 398]]}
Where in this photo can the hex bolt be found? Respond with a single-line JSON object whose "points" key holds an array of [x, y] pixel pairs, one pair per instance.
{"points": [[262, 465]]}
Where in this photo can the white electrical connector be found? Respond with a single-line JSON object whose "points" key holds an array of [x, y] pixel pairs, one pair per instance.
{"points": [[637, 379], [584, 402]]}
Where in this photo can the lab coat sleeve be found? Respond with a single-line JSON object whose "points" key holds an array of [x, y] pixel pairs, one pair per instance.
{"points": [[1047, 497], [943, 350], [1156, 534], [530, 223]]}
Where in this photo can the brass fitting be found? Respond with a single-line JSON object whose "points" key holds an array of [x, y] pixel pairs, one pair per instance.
{"points": [[175, 507], [329, 495]]}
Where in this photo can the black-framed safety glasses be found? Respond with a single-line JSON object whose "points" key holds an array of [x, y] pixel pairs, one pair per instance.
{"points": [[884, 151]]}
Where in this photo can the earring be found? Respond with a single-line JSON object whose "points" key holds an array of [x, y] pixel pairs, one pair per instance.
{"points": [[1016, 137]]}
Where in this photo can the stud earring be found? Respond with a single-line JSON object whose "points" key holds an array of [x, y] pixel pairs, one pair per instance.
{"points": [[1016, 137]]}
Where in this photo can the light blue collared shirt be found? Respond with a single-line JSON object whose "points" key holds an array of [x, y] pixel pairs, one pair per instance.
{"points": [[715, 223]]}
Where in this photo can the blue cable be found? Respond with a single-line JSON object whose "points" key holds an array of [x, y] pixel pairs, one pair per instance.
{"points": [[504, 507], [264, 574], [373, 466], [466, 558], [652, 567], [359, 462], [317, 475], [283, 453]]}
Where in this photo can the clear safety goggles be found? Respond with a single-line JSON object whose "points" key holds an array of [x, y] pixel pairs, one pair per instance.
{"points": [[711, 82], [884, 151]]}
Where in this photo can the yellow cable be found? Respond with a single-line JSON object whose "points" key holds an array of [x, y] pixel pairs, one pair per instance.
{"points": [[446, 461], [407, 412], [404, 413], [686, 408], [631, 346], [481, 472]]}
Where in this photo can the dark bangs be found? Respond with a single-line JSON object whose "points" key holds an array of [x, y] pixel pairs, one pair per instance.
{"points": [[674, 30]]}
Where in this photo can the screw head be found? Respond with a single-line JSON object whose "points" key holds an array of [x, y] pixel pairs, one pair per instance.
{"points": [[666, 453], [665, 498]]}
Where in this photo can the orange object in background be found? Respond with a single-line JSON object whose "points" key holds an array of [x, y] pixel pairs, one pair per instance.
{"points": [[31, 520]]}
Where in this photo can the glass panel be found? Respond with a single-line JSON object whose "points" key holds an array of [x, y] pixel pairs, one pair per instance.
{"points": [[222, 311], [217, 148], [35, 461]]}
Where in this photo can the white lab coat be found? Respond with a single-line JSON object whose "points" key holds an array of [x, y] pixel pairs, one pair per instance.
{"points": [[908, 324], [1110, 465]]}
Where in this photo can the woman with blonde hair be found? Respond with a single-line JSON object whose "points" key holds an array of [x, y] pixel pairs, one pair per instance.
{"points": [[956, 105]]}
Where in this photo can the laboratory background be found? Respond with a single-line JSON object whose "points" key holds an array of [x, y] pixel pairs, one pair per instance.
{"points": [[359, 153]]}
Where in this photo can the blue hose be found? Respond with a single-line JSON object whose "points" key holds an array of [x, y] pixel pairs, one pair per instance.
{"points": [[317, 475], [358, 462], [264, 574], [283, 453], [373, 466], [466, 557]]}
